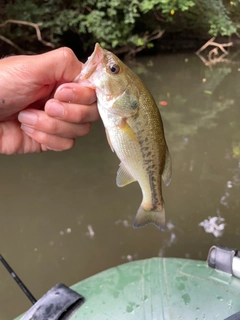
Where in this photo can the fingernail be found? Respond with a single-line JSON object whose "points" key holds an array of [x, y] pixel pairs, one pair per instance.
{"points": [[65, 94], [28, 117], [27, 129], [55, 109]]}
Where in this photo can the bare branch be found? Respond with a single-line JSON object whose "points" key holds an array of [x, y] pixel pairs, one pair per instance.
{"points": [[131, 51], [213, 55], [158, 35], [157, 16], [205, 45], [214, 60], [215, 44], [31, 24], [153, 36], [8, 41]]}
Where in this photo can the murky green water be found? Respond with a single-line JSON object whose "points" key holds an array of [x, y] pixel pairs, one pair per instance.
{"points": [[62, 217]]}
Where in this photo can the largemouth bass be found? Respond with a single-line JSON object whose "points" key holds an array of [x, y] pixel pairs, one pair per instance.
{"points": [[134, 131]]}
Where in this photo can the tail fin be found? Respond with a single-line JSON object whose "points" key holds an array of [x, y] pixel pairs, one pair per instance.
{"points": [[143, 217]]}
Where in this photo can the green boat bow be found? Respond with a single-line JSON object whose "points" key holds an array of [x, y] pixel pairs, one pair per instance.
{"points": [[158, 289]]}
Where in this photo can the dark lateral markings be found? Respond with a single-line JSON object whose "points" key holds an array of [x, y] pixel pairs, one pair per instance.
{"points": [[3, 100]]}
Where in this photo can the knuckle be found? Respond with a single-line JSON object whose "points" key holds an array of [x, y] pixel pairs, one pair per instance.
{"points": [[42, 138], [68, 144], [60, 145], [53, 127], [67, 53], [86, 128], [80, 115]]}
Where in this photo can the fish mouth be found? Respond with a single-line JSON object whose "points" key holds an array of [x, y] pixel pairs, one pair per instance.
{"points": [[90, 66]]}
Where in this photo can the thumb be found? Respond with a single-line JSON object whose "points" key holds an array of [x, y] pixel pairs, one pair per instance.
{"points": [[60, 65]]}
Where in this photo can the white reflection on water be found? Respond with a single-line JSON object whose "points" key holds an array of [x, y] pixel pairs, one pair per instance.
{"points": [[224, 199], [130, 257], [125, 223], [214, 225], [229, 184], [90, 232], [170, 240]]}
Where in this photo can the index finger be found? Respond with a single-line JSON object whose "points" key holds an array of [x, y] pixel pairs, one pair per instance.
{"points": [[56, 66]]}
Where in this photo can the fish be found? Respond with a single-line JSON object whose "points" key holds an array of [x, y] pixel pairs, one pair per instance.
{"points": [[134, 131]]}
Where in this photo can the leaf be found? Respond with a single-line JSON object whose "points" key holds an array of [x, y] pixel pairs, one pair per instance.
{"points": [[208, 91]]}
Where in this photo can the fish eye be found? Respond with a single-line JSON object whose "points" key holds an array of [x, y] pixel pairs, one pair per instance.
{"points": [[114, 68]]}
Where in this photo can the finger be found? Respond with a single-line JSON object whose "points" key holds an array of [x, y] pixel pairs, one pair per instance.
{"points": [[38, 120], [35, 105], [35, 77], [47, 68], [69, 112], [48, 141], [75, 93], [62, 64]]}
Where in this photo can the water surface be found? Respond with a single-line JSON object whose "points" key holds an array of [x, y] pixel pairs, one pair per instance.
{"points": [[62, 217]]}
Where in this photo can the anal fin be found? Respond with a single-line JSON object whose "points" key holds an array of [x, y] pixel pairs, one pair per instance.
{"points": [[123, 176]]}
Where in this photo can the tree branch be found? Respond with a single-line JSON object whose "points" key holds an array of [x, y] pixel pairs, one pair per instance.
{"points": [[157, 16], [131, 51], [12, 44], [212, 43], [31, 24], [153, 36], [213, 55]]}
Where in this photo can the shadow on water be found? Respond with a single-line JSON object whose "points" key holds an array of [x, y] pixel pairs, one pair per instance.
{"points": [[64, 219]]}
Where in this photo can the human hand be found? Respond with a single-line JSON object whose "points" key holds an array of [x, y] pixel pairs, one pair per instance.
{"points": [[27, 85]]}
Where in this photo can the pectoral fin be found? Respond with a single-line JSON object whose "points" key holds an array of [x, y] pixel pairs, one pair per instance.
{"points": [[123, 176], [167, 172], [127, 104], [127, 129]]}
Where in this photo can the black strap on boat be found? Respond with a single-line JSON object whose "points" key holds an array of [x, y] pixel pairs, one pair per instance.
{"points": [[59, 303]]}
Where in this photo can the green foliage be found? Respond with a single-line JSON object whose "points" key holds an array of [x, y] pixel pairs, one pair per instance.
{"points": [[166, 6], [118, 23], [219, 18]]}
